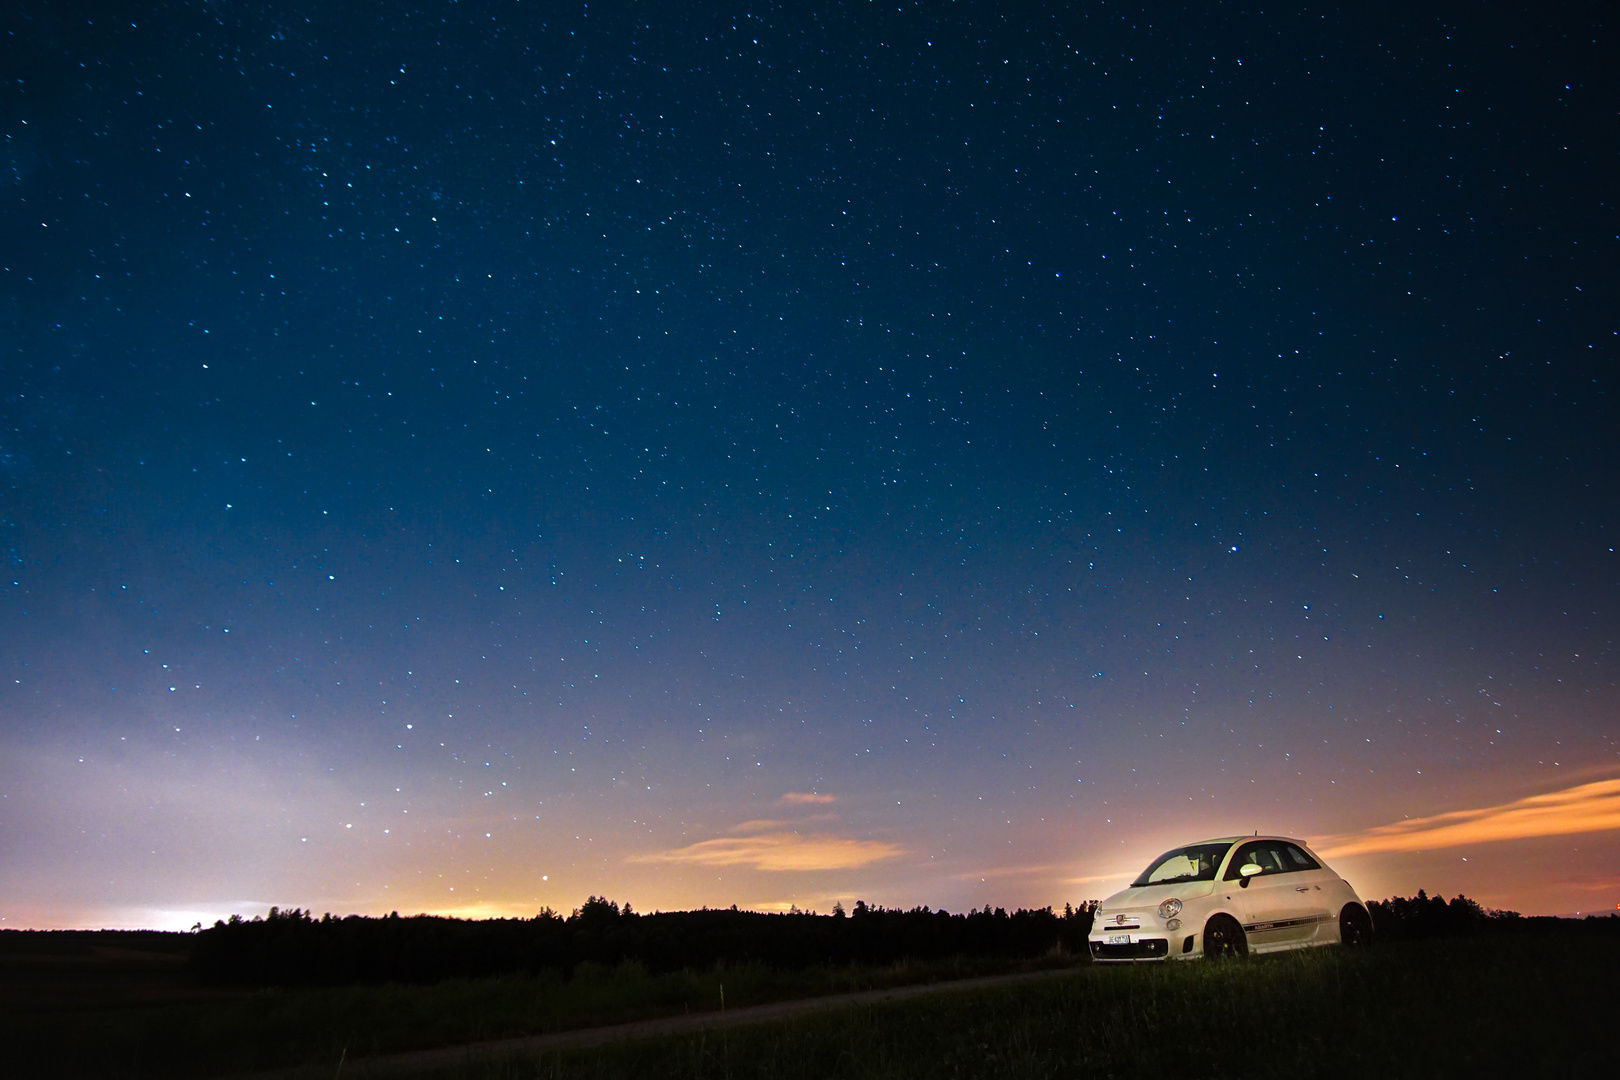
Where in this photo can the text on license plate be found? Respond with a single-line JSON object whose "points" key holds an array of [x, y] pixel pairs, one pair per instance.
{"points": [[1119, 939]]}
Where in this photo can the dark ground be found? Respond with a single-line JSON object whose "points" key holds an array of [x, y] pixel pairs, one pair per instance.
{"points": [[1531, 997]]}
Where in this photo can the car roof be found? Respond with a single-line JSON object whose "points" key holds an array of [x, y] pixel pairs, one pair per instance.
{"points": [[1252, 836]]}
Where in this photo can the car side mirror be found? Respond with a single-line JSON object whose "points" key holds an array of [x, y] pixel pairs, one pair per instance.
{"points": [[1248, 870]]}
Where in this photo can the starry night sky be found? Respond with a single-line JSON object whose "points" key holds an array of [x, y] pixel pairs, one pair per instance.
{"points": [[467, 457]]}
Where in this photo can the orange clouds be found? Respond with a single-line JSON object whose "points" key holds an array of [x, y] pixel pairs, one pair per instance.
{"points": [[1585, 808], [779, 851], [769, 844]]}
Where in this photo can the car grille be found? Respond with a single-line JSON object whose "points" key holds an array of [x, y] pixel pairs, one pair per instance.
{"points": [[1149, 949]]}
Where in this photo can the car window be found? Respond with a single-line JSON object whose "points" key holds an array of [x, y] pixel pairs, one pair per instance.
{"points": [[1196, 863], [1269, 854], [1298, 860]]}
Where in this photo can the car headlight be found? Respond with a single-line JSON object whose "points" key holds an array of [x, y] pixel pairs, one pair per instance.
{"points": [[1170, 909]]}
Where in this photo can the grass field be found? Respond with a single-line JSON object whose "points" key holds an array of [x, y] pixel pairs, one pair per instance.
{"points": [[1505, 1007], [121, 1013], [1499, 1006]]}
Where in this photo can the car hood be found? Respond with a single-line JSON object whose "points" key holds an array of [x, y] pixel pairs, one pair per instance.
{"points": [[1149, 896]]}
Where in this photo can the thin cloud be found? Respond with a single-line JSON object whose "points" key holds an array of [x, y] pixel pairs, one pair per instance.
{"points": [[1002, 872], [1585, 808], [804, 798], [757, 825], [779, 851], [1094, 878]]}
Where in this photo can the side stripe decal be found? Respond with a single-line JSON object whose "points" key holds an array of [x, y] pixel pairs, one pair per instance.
{"points": [[1283, 924]]}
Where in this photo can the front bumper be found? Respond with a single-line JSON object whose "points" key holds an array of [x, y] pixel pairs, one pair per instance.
{"points": [[1151, 946]]}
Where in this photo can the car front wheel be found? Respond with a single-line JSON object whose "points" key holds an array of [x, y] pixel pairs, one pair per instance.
{"points": [[1223, 937], [1355, 925]]}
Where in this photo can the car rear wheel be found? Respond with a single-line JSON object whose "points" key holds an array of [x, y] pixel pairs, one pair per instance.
{"points": [[1223, 937], [1355, 925]]}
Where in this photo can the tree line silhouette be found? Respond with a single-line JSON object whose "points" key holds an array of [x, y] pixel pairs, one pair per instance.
{"points": [[288, 948], [295, 948], [1403, 918]]}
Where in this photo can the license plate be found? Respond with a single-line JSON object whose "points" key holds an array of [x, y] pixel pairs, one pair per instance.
{"points": [[1119, 939]]}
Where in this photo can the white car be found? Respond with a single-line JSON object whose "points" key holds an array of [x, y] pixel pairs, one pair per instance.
{"points": [[1229, 897]]}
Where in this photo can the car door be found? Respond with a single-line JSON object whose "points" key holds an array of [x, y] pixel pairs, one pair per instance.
{"points": [[1314, 895], [1275, 913]]}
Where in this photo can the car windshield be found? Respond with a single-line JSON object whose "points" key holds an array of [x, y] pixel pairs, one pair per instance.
{"points": [[1196, 863]]}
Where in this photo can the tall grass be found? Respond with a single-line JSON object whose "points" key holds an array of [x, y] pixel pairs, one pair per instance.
{"points": [[250, 1031], [1500, 1006], [1425, 1009]]}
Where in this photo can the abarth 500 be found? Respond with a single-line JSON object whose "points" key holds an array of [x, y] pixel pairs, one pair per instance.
{"points": [[1229, 897]]}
